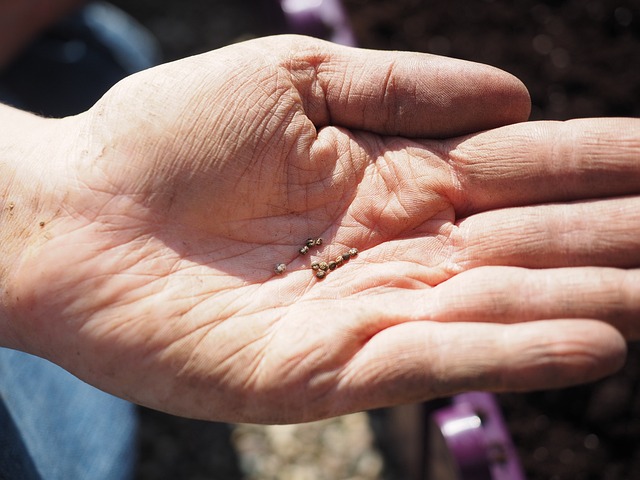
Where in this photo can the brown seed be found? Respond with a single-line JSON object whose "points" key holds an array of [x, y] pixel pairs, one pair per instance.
{"points": [[323, 266], [332, 265], [304, 250], [321, 274], [346, 256], [339, 260], [315, 266], [280, 268], [353, 252], [310, 242], [318, 241]]}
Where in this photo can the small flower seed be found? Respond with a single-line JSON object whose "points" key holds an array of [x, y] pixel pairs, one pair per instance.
{"points": [[353, 252], [318, 241], [304, 250], [323, 266], [332, 265], [339, 260], [280, 268], [310, 242], [321, 274], [315, 265], [346, 256]]}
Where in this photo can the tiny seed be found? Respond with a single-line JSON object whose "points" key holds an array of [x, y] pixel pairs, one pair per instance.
{"points": [[304, 250], [339, 260], [321, 274], [346, 256], [332, 265], [323, 266], [41, 224], [315, 266], [353, 252], [280, 268], [318, 241], [310, 242]]}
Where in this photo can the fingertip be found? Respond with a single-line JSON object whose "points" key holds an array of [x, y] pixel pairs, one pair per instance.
{"points": [[515, 98], [606, 347], [571, 352], [494, 98]]}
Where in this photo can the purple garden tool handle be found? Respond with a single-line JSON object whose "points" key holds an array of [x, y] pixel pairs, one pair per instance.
{"points": [[477, 439], [318, 18]]}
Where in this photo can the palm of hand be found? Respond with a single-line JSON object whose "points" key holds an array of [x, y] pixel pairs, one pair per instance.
{"points": [[167, 247]]}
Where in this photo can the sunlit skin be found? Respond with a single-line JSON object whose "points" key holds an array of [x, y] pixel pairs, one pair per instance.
{"points": [[496, 260]]}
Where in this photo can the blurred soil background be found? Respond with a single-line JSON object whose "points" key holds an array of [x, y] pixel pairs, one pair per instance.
{"points": [[579, 58]]}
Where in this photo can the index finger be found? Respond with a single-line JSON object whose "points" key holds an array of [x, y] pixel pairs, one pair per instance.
{"points": [[542, 162]]}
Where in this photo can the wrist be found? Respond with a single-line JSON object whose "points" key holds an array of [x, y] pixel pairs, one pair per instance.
{"points": [[28, 146]]}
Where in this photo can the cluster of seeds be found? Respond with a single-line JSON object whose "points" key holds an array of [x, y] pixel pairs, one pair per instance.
{"points": [[323, 268]]}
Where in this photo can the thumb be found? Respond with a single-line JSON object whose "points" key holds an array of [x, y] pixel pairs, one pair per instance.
{"points": [[403, 93]]}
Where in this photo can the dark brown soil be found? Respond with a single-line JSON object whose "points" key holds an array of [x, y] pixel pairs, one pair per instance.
{"points": [[578, 58]]}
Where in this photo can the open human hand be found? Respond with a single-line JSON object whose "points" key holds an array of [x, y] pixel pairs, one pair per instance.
{"points": [[145, 233]]}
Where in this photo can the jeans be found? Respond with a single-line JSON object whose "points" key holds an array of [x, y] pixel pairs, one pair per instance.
{"points": [[52, 425]]}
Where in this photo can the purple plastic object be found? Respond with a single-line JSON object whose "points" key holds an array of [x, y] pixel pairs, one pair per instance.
{"points": [[319, 18], [477, 440]]}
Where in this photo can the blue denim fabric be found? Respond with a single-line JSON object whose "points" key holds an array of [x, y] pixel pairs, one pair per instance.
{"points": [[53, 426]]}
